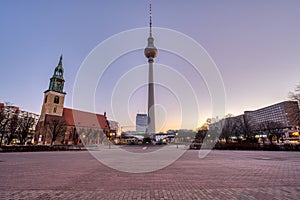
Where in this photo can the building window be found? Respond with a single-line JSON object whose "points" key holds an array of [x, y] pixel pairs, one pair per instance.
{"points": [[46, 99], [56, 100], [54, 109]]}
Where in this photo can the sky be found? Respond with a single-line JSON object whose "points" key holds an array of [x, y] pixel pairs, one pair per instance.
{"points": [[254, 44]]}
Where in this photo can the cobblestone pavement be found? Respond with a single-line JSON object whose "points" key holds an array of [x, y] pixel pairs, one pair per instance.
{"points": [[221, 175]]}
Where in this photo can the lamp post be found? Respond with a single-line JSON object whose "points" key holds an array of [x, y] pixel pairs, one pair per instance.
{"points": [[110, 139], [83, 137], [176, 140]]}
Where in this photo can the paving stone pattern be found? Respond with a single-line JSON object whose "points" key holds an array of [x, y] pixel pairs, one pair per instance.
{"points": [[244, 175]]}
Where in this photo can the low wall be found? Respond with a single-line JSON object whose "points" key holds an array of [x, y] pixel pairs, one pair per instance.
{"points": [[20, 148], [252, 146]]}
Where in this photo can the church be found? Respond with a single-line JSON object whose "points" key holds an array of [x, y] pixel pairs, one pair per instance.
{"points": [[60, 125]]}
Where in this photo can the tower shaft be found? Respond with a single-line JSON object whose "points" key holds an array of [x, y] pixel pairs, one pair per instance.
{"points": [[151, 108]]}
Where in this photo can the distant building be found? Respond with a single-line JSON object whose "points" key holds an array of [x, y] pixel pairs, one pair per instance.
{"points": [[285, 114], [11, 111], [282, 115], [91, 126], [114, 128], [231, 121], [141, 123], [185, 135], [217, 125]]}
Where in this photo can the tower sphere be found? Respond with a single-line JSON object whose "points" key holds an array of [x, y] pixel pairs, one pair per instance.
{"points": [[150, 51]]}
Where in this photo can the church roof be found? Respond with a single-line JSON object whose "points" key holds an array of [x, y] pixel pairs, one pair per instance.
{"points": [[84, 119], [81, 119]]}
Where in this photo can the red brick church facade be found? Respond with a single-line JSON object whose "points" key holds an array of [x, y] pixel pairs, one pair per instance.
{"points": [[68, 125]]}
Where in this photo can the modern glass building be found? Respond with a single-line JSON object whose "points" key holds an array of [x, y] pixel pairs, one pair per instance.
{"points": [[141, 123]]}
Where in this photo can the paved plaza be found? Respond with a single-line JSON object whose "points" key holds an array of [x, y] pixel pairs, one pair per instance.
{"points": [[220, 175]]}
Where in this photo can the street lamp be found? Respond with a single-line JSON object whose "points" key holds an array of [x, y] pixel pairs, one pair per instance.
{"points": [[110, 138], [84, 139], [176, 140]]}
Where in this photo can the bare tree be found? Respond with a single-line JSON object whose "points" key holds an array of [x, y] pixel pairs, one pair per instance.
{"points": [[272, 128], [201, 133], [7, 103], [13, 127], [234, 126], [4, 121], [239, 128], [229, 115], [227, 129], [25, 124], [204, 126], [56, 128], [247, 129], [296, 94]]}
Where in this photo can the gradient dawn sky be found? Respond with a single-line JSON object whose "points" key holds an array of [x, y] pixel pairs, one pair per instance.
{"points": [[255, 45]]}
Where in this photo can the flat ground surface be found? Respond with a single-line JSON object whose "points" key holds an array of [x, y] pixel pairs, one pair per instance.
{"points": [[220, 175]]}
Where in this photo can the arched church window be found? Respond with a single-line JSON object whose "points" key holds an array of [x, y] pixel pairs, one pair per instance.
{"points": [[56, 100], [54, 110], [46, 99]]}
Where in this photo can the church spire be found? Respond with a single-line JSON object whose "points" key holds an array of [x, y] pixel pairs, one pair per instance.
{"points": [[59, 70], [57, 81], [60, 60]]}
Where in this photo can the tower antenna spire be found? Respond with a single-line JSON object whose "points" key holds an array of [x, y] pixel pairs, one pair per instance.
{"points": [[150, 18]]}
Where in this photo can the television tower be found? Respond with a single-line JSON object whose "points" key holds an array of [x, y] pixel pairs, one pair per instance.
{"points": [[150, 53]]}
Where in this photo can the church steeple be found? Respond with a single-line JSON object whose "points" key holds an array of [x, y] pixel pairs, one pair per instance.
{"points": [[54, 97], [59, 70], [57, 81]]}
